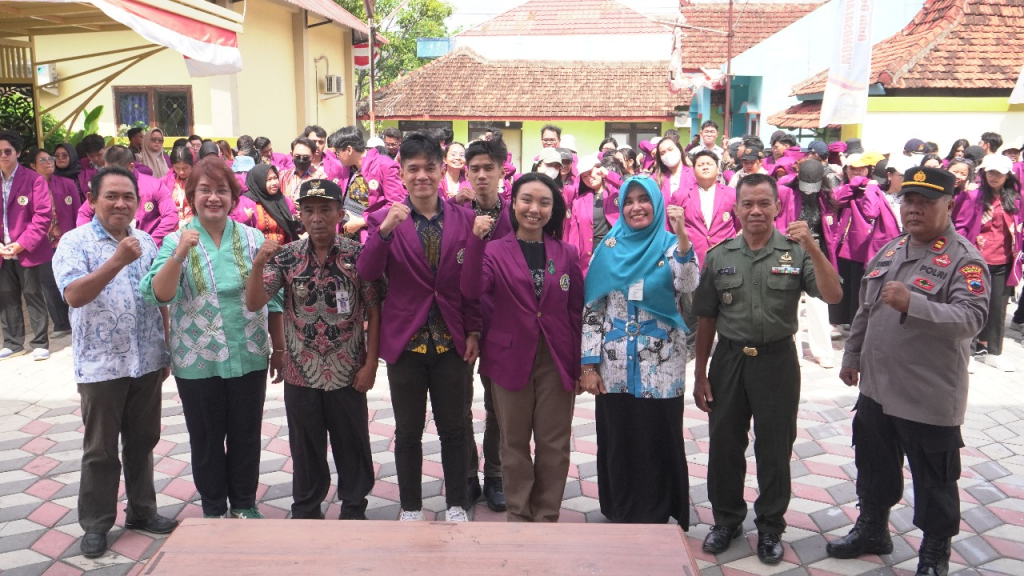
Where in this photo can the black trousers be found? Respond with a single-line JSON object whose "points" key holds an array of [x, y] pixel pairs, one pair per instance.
{"points": [[224, 417], [17, 282], [443, 376], [129, 408], [881, 441], [852, 273], [312, 416], [995, 325], [492, 434], [767, 388], [55, 303]]}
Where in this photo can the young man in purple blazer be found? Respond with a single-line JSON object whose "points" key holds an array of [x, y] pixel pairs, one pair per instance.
{"points": [[485, 171], [157, 215], [429, 331], [25, 251], [370, 180]]}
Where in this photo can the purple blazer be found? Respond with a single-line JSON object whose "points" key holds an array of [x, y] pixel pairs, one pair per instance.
{"points": [[157, 215], [412, 286], [499, 269], [967, 215], [579, 222], [792, 203], [66, 202], [282, 161], [382, 179], [856, 223], [84, 176], [502, 228], [687, 179], [28, 213], [724, 224]]}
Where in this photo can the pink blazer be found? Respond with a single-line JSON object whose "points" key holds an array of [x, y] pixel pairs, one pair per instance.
{"points": [[157, 215], [382, 178], [66, 202], [28, 212], [856, 222], [499, 269], [724, 224], [579, 222], [413, 286]]}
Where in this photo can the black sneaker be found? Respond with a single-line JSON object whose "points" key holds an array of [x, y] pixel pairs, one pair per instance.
{"points": [[93, 545], [494, 491]]}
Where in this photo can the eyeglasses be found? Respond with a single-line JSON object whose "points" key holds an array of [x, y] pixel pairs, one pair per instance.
{"points": [[302, 158], [59, 156], [549, 140], [221, 192], [45, 160], [156, 139], [7, 152]]}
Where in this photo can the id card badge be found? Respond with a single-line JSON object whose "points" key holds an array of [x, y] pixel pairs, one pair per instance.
{"points": [[344, 302], [636, 291]]}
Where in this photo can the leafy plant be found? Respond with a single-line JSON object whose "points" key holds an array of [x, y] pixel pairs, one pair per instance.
{"points": [[91, 125], [16, 114]]}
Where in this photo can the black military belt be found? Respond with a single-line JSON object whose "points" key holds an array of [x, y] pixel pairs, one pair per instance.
{"points": [[752, 351]]}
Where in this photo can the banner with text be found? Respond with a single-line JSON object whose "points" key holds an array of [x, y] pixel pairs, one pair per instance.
{"points": [[846, 93]]}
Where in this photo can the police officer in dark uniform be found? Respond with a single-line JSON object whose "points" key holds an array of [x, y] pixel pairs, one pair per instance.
{"points": [[924, 297], [749, 291]]}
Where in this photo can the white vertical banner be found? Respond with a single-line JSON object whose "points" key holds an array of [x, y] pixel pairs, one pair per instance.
{"points": [[1017, 96], [846, 93]]}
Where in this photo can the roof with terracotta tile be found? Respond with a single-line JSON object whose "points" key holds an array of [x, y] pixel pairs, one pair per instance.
{"points": [[567, 17], [465, 85], [753, 22], [803, 115], [977, 44]]}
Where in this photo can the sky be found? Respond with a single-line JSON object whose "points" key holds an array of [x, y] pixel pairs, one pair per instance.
{"points": [[469, 13]]}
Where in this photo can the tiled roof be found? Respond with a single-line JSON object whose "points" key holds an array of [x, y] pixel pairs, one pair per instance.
{"points": [[465, 85], [566, 17], [803, 115], [949, 44], [753, 23]]}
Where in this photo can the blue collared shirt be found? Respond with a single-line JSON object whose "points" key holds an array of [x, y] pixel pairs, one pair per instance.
{"points": [[117, 335]]}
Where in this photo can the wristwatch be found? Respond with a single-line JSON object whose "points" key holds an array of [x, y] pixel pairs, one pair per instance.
{"points": [[177, 258]]}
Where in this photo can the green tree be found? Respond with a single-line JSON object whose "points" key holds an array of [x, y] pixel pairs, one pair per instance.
{"points": [[419, 19]]}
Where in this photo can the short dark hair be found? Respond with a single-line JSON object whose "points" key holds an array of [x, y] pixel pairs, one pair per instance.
{"points": [[417, 144], [260, 143], [132, 132], [97, 179], [613, 141], [787, 140], [392, 132], [180, 142], [496, 133], [212, 168], [553, 128], [755, 180], [14, 139], [994, 141], [705, 152], [182, 154], [244, 142], [119, 156], [347, 136], [195, 137], [315, 130], [931, 148], [672, 133], [305, 142], [446, 135], [93, 143], [495, 149], [709, 124], [558, 207]]}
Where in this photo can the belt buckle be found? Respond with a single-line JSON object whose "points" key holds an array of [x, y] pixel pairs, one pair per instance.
{"points": [[632, 328], [749, 351]]}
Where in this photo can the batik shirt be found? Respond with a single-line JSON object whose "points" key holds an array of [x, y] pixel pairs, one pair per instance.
{"points": [[324, 308], [435, 332], [117, 335]]}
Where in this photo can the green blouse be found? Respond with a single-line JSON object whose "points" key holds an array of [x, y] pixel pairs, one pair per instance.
{"points": [[212, 332]]}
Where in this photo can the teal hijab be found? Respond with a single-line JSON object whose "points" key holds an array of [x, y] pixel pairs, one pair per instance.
{"points": [[627, 256]]}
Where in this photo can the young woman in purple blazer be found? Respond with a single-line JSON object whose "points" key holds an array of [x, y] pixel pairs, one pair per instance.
{"points": [[532, 348]]}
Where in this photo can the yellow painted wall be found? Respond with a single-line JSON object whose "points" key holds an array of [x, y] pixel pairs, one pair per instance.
{"points": [[267, 98]]}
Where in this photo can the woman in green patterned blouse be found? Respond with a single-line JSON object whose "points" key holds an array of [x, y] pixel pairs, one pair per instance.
{"points": [[219, 349]]}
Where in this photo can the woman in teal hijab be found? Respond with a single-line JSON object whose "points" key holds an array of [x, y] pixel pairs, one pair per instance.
{"points": [[634, 357]]}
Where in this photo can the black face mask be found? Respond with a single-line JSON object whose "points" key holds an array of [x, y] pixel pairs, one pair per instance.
{"points": [[301, 165]]}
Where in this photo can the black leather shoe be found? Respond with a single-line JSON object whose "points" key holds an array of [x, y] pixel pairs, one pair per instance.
{"points": [[720, 538], [93, 545], [155, 524], [494, 491], [870, 535], [473, 492], [933, 558], [769, 548]]}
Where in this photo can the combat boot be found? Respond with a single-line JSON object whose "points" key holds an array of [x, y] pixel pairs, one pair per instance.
{"points": [[933, 559], [870, 535]]}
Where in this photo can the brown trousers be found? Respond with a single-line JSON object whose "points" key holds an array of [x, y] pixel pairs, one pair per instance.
{"points": [[542, 410]]}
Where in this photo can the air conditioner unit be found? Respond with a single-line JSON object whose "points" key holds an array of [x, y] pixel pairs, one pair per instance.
{"points": [[334, 84]]}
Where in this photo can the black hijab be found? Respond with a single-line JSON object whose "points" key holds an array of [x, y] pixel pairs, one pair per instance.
{"points": [[274, 204], [74, 166], [208, 149]]}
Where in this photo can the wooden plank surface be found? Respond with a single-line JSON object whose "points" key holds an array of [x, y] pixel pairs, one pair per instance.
{"points": [[313, 547]]}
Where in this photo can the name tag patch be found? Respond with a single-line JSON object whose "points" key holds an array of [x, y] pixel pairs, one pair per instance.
{"points": [[727, 271], [934, 272]]}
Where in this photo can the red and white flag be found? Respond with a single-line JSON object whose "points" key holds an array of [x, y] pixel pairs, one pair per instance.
{"points": [[209, 50], [361, 55]]}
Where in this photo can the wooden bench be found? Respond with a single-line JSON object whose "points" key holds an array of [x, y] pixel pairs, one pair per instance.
{"points": [[223, 547]]}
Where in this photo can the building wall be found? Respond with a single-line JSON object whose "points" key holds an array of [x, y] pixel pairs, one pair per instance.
{"points": [[892, 121], [588, 47]]}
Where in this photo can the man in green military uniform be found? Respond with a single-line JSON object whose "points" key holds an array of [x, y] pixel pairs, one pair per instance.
{"points": [[749, 291]]}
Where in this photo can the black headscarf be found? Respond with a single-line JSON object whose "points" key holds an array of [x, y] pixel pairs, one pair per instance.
{"points": [[208, 149], [274, 204], [74, 166]]}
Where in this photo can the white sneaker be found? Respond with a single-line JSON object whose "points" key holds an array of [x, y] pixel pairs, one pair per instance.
{"points": [[6, 353], [825, 362], [408, 516], [40, 354], [972, 365], [998, 362], [456, 514]]}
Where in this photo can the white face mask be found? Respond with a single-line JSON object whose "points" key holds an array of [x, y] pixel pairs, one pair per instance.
{"points": [[550, 172], [672, 158]]}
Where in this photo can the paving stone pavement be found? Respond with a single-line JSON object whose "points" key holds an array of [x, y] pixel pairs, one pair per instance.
{"points": [[40, 451]]}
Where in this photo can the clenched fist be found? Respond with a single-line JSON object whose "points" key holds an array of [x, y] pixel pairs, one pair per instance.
{"points": [[897, 296], [128, 250], [189, 240], [267, 251], [799, 232], [482, 226], [396, 215]]}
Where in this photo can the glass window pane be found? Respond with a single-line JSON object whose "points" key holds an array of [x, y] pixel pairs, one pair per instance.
{"points": [[172, 113], [132, 108]]}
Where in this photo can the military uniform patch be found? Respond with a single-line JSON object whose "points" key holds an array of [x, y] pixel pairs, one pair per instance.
{"points": [[974, 276], [942, 261], [876, 273], [889, 253], [924, 284], [939, 244]]}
